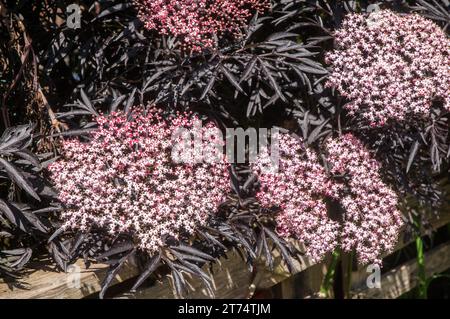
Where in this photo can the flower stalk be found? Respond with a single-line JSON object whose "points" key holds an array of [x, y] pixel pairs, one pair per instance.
{"points": [[328, 280]]}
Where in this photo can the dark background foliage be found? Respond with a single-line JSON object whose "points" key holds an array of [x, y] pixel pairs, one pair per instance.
{"points": [[58, 78]]}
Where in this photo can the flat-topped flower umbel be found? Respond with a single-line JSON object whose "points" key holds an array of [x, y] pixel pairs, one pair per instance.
{"points": [[125, 181], [299, 188], [370, 221], [391, 67]]}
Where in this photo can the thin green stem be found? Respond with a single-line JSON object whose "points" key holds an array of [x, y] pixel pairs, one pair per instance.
{"points": [[349, 275], [329, 276], [422, 292], [423, 284]]}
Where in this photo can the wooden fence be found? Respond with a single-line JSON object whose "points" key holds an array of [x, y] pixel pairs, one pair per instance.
{"points": [[232, 279]]}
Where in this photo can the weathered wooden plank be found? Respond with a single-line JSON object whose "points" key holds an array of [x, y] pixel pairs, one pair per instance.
{"points": [[305, 284], [49, 284], [359, 276], [231, 279], [404, 278], [312, 277], [267, 278]]}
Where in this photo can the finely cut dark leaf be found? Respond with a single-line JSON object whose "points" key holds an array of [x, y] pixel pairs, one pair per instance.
{"points": [[117, 249], [112, 272], [57, 232], [13, 215], [412, 154], [18, 178], [284, 252], [113, 9], [231, 78], [151, 266]]}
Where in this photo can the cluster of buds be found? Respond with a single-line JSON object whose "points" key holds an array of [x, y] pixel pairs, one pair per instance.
{"points": [[198, 23]]}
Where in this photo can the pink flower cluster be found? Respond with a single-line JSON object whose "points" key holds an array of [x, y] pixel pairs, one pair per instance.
{"points": [[124, 180], [198, 22], [298, 188], [370, 222], [390, 66]]}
